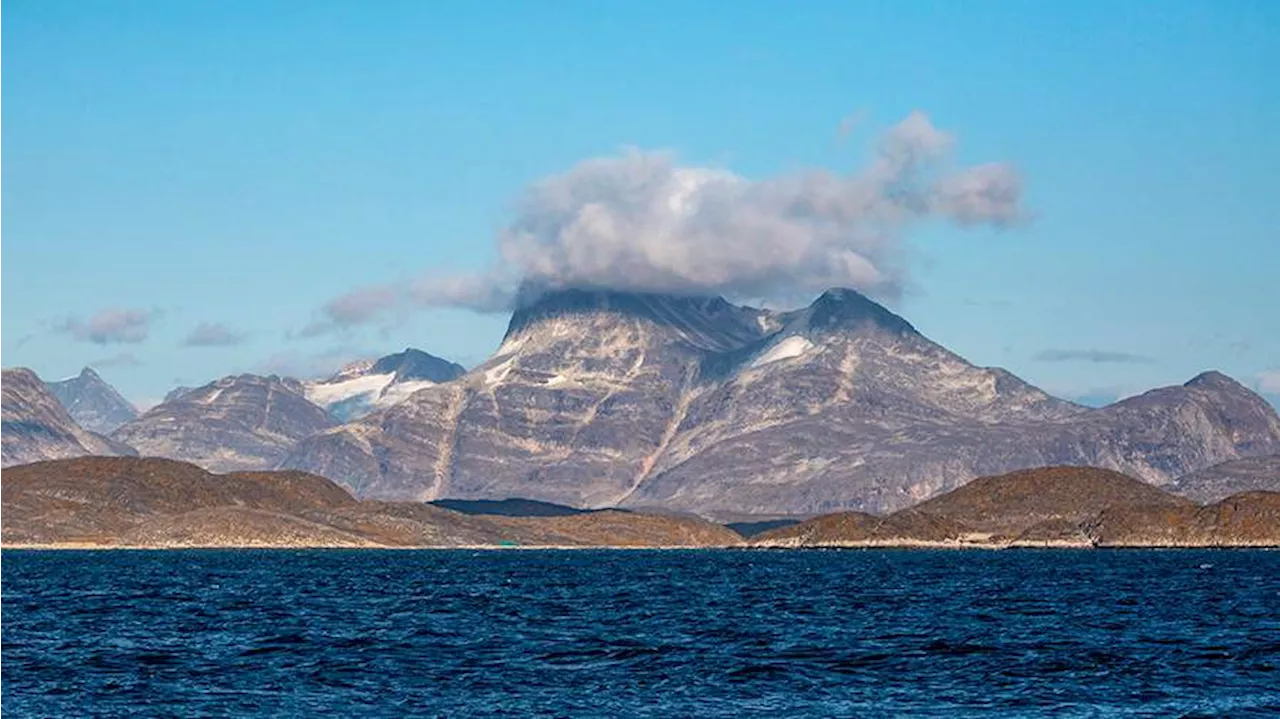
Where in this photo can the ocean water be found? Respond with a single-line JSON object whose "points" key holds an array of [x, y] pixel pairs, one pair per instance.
{"points": [[640, 633]]}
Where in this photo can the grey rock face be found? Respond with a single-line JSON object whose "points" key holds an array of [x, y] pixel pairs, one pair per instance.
{"points": [[92, 403], [1220, 481], [37, 427], [241, 422], [413, 364], [602, 399]]}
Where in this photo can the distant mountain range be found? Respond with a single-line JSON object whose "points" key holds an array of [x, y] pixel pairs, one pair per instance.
{"points": [[599, 398]]}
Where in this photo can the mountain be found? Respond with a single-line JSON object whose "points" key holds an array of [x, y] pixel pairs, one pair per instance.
{"points": [[361, 387], [151, 502], [92, 403], [600, 398], [38, 427], [1234, 477], [235, 423], [580, 394]]}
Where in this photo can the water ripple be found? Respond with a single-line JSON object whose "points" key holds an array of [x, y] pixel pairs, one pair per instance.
{"points": [[645, 634]]}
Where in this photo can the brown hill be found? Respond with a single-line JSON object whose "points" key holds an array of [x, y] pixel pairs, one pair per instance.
{"points": [[152, 502], [1248, 519], [1050, 506], [238, 527], [1010, 504]]}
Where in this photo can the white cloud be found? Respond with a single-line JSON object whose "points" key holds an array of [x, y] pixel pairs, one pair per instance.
{"points": [[1092, 355], [357, 307], [641, 221], [128, 326]]}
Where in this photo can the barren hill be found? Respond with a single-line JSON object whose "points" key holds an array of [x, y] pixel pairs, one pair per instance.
{"points": [[152, 502], [1077, 506]]}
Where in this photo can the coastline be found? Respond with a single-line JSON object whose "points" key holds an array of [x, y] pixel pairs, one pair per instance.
{"points": [[769, 547]]}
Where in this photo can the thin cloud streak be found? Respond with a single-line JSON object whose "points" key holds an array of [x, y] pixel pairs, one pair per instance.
{"points": [[1094, 356], [211, 334]]}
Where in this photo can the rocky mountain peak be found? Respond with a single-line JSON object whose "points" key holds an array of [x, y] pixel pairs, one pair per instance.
{"points": [[844, 309], [414, 364], [1214, 380], [37, 426], [352, 369], [92, 403], [709, 323], [362, 387]]}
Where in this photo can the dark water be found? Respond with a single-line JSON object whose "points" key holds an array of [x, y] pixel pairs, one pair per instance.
{"points": [[644, 633]]}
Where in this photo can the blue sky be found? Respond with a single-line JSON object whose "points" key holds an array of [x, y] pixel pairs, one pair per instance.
{"points": [[241, 164]]}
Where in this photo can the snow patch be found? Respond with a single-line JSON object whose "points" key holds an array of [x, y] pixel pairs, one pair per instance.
{"points": [[788, 348], [330, 392], [397, 392]]}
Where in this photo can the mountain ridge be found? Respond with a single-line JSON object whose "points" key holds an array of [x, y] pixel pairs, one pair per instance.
{"points": [[238, 422], [599, 398]]}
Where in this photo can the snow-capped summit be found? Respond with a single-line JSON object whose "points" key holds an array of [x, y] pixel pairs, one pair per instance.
{"points": [[368, 385]]}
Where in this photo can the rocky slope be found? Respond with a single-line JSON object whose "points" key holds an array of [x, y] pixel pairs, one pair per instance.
{"points": [[38, 427], [151, 502], [1241, 520], [362, 387], [92, 403], [1237, 476], [602, 398], [1057, 506], [236, 423]]}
